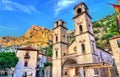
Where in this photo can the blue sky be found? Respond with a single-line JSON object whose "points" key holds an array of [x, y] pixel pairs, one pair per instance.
{"points": [[17, 16]]}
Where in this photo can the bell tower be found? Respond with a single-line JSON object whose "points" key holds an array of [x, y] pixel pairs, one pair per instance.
{"points": [[82, 19], [84, 33], [59, 46]]}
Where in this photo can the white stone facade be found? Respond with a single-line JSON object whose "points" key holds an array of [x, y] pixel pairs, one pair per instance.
{"points": [[31, 65]]}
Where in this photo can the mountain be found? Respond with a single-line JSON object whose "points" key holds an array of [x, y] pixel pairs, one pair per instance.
{"points": [[36, 36], [103, 30]]}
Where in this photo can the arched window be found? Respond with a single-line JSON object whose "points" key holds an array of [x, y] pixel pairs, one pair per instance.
{"points": [[56, 54], [79, 10], [57, 23], [56, 39], [64, 54], [83, 48], [25, 63], [65, 72], [75, 49], [80, 28]]}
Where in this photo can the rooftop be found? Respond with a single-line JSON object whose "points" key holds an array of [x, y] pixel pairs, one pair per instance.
{"points": [[81, 4], [115, 37], [28, 48]]}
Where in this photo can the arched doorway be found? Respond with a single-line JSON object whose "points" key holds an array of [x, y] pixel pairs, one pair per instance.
{"points": [[68, 71]]}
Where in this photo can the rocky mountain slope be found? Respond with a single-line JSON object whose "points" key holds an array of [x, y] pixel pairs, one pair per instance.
{"points": [[104, 29], [39, 36], [36, 36]]}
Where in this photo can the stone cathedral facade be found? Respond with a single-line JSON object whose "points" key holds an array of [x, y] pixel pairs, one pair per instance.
{"points": [[82, 51]]}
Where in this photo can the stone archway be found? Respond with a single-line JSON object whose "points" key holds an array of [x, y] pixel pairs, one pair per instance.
{"points": [[69, 71]]}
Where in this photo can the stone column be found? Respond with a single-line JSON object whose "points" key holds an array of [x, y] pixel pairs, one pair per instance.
{"points": [[81, 72], [109, 72], [99, 72]]}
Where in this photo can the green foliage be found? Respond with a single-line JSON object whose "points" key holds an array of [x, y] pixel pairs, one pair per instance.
{"points": [[97, 25], [8, 60], [71, 37], [99, 44], [96, 38], [96, 31], [108, 25], [48, 64], [48, 50]]}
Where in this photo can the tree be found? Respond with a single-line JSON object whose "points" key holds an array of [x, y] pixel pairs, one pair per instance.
{"points": [[8, 60], [48, 50]]}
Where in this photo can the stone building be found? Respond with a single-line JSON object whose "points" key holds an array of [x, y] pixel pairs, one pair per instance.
{"points": [[48, 71], [31, 62], [115, 46], [72, 60]]}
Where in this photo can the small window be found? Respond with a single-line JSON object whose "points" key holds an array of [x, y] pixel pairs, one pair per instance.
{"points": [[27, 56], [80, 28], [65, 72], [57, 23], [64, 54], [56, 54], [56, 39], [75, 48], [62, 23], [83, 48], [26, 64]]}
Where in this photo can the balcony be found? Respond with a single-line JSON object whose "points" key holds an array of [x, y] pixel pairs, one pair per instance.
{"points": [[27, 56]]}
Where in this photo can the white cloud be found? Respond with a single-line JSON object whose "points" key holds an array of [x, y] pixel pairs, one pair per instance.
{"points": [[13, 6], [62, 4]]}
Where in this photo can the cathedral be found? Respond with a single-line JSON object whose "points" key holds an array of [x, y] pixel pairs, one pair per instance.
{"points": [[82, 58]]}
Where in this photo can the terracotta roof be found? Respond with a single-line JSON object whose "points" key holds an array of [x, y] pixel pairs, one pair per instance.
{"points": [[115, 37], [28, 48]]}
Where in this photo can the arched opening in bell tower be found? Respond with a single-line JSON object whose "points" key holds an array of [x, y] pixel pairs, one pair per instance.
{"points": [[79, 10]]}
